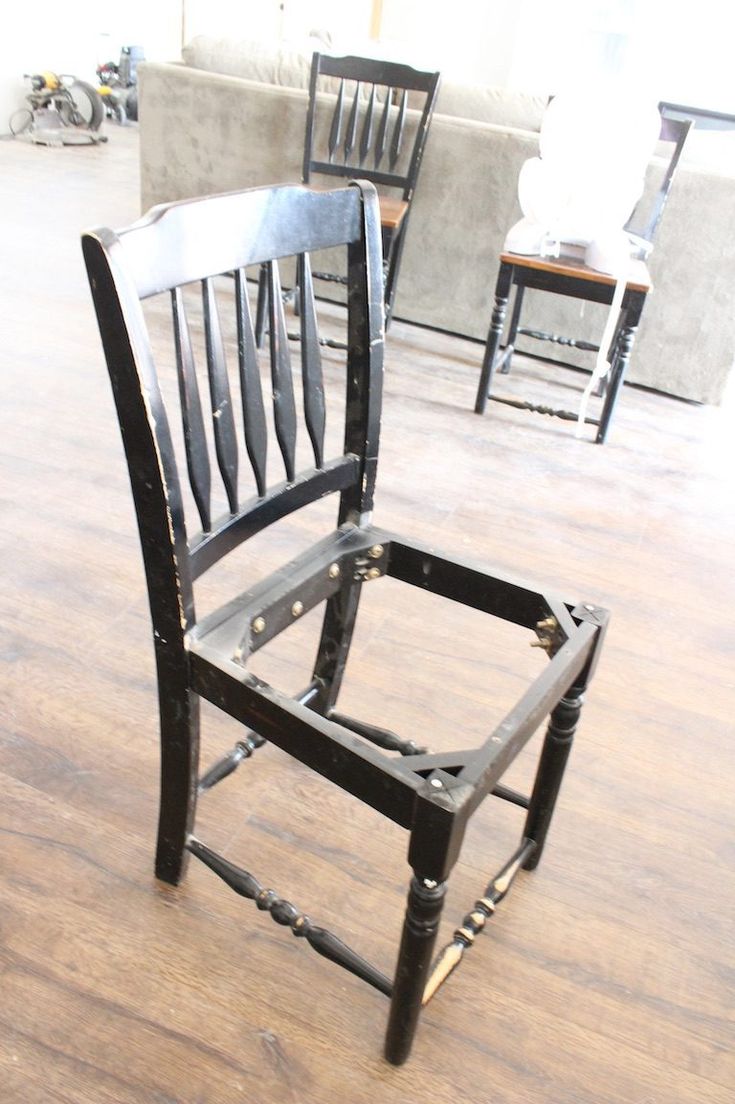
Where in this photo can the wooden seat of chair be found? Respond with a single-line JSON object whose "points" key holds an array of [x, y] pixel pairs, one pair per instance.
{"points": [[392, 211], [638, 280]]}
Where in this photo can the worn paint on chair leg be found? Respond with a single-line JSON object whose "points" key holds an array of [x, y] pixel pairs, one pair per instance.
{"points": [[515, 321], [420, 927], [179, 718], [554, 755], [492, 345]]}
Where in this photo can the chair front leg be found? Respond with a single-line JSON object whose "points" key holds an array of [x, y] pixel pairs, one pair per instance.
{"points": [[515, 321], [492, 345], [628, 328], [420, 927]]}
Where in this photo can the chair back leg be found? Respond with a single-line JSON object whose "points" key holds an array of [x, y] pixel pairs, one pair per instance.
{"points": [[179, 719]]}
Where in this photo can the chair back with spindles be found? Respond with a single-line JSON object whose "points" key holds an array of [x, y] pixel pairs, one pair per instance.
{"points": [[674, 132], [191, 243], [374, 126]]}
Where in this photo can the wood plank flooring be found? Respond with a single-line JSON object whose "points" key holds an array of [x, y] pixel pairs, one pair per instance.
{"points": [[607, 975]]}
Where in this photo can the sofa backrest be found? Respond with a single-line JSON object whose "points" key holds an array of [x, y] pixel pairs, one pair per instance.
{"points": [[491, 104], [289, 65]]}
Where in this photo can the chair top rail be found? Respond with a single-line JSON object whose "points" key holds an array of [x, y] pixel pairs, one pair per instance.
{"points": [[375, 71], [179, 243]]}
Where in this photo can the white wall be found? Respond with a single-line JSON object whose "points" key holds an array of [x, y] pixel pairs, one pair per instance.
{"points": [[671, 52], [75, 37], [531, 44]]}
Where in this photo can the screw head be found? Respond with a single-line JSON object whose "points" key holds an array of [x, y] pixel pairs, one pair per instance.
{"points": [[258, 624], [376, 551], [373, 573], [589, 608], [297, 609], [437, 783], [334, 571]]}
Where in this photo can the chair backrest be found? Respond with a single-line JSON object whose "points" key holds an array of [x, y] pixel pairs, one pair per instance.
{"points": [[673, 131], [374, 126], [191, 243]]}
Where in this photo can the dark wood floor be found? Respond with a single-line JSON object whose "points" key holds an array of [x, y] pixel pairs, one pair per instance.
{"points": [[606, 976]]}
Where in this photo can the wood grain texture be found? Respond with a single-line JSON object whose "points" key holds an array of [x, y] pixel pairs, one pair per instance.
{"points": [[607, 974]]}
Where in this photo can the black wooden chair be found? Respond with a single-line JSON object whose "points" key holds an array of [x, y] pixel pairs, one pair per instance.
{"points": [[374, 127], [431, 795], [569, 276]]}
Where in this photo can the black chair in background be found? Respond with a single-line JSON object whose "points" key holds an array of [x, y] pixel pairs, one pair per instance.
{"points": [[569, 276], [365, 130], [431, 795]]}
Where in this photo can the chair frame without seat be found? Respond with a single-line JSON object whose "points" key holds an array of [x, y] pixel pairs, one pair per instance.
{"points": [[431, 795], [571, 278]]}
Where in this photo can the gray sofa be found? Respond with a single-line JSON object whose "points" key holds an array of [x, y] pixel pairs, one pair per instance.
{"points": [[232, 115]]}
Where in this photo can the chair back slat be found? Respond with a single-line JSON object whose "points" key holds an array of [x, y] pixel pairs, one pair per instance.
{"points": [[311, 361], [369, 122], [223, 418], [351, 132], [675, 131], [366, 139], [284, 406], [397, 140], [335, 131], [382, 138], [195, 441], [251, 391]]}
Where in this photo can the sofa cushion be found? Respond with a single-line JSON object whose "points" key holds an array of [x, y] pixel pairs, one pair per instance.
{"points": [[488, 104], [288, 65]]}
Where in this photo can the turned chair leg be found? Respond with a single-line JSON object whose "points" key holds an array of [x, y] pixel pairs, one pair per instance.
{"points": [[420, 927], [555, 752], [515, 321], [179, 718], [492, 345], [616, 378]]}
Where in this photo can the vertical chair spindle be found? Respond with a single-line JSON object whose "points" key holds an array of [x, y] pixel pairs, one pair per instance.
{"points": [[382, 139], [351, 132], [195, 441], [223, 420], [311, 361], [367, 128], [397, 140], [253, 410], [284, 407], [335, 132]]}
